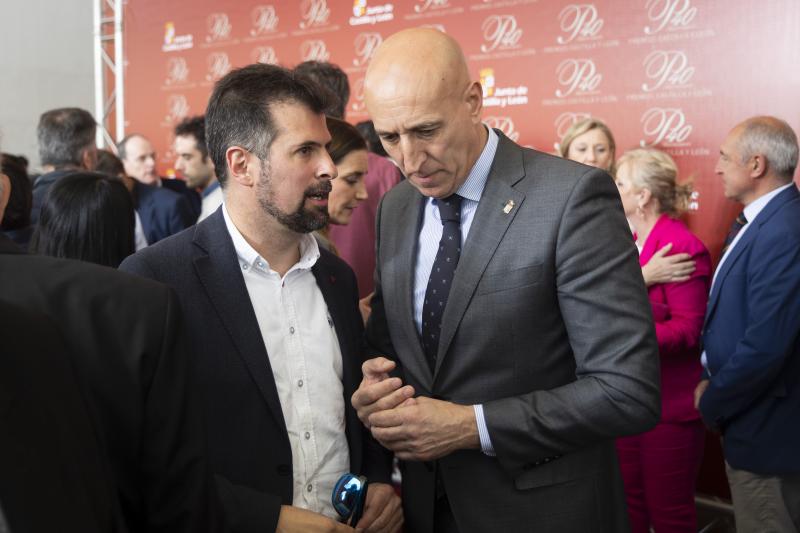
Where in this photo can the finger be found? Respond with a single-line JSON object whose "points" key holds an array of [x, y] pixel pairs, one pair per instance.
{"points": [[680, 279], [374, 369], [390, 418], [664, 250], [374, 518], [368, 394], [383, 522]]}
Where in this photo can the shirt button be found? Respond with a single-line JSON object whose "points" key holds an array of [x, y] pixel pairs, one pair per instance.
{"points": [[299, 382], [291, 330], [244, 267], [307, 435], [309, 488]]}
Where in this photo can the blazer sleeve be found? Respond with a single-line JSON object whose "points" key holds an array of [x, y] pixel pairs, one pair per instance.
{"points": [[773, 324], [686, 302], [178, 486], [606, 312]]}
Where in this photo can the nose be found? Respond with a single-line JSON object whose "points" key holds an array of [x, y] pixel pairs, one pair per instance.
{"points": [[411, 157], [361, 191], [179, 165], [717, 169], [326, 170]]}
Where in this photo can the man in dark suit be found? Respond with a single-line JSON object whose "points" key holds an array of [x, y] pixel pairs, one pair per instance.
{"points": [[139, 158], [54, 474], [165, 206], [123, 337], [520, 376], [274, 320], [751, 385], [66, 138]]}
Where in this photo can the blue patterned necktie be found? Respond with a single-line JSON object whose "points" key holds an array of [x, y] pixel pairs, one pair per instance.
{"points": [[444, 268], [736, 227]]}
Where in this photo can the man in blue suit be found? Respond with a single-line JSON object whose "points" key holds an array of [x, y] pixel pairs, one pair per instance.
{"points": [[750, 390]]}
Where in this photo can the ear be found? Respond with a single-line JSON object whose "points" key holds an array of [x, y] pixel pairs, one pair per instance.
{"points": [[645, 195], [241, 166], [758, 166], [5, 193], [474, 99], [89, 158]]}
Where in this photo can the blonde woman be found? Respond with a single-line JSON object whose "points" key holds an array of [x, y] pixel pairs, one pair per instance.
{"points": [[659, 467], [590, 141]]}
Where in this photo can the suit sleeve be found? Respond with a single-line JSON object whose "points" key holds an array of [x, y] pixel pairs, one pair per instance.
{"points": [[179, 491], [606, 312], [773, 325], [686, 301]]}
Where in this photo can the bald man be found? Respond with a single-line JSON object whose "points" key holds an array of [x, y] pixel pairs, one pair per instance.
{"points": [[511, 330]]}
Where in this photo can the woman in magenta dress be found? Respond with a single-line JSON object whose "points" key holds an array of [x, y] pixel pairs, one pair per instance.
{"points": [[659, 468]]}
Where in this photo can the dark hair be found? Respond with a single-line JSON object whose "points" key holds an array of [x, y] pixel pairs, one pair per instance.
{"points": [[194, 127], [64, 134], [367, 130], [109, 164], [330, 78], [86, 216], [18, 210], [344, 139], [238, 112]]}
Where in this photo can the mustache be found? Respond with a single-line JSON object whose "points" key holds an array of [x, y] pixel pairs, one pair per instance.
{"points": [[323, 189]]}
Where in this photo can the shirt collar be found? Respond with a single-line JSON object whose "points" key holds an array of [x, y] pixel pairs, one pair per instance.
{"points": [[752, 209], [309, 249], [211, 188], [473, 186]]}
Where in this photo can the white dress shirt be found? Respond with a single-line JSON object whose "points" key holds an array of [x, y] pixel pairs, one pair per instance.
{"points": [[751, 211], [212, 199], [306, 363], [428, 243], [140, 240]]}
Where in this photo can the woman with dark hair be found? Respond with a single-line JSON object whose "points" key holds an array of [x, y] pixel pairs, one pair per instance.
{"points": [[348, 150], [86, 216], [16, 223]]}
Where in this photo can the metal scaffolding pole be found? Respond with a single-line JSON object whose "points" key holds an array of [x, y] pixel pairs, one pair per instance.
{"points": [[109, 68]]}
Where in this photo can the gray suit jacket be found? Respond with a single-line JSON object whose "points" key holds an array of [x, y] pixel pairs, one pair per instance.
{"points": [[548, 326]]}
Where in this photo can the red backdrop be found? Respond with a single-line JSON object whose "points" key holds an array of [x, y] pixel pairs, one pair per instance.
{"points": [[677, 74]]}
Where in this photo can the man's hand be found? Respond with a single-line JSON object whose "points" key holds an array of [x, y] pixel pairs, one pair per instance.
{"points": [[426, 429], [378, 391], [662, 268], [382, 511], [698, 393], [365, 306], [296, 520]]}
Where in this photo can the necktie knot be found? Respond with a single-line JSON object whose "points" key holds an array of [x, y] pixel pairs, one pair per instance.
{"points": [[450, 208], [741, 220]]}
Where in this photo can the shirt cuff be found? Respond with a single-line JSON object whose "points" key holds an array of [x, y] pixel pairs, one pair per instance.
{"points": [[483, 431], [704, 361]]}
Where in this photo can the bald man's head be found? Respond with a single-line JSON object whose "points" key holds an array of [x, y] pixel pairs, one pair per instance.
{"points": [[426, 110]]}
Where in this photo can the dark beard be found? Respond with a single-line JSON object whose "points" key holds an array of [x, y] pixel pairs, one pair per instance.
{"points": [[301, 220]]}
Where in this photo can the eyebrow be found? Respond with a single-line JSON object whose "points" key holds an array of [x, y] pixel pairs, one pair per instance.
{"points": [[417, 127]]}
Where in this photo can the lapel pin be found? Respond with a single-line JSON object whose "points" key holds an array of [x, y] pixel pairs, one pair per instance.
{"points": [[508, 207]]}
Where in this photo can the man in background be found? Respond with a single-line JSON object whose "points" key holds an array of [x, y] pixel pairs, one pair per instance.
{"points": [[750, 390], [193, 163], [66, 139], [164, 211]]}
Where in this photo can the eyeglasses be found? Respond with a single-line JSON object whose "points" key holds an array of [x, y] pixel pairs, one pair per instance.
{"points": [[349, 495]]}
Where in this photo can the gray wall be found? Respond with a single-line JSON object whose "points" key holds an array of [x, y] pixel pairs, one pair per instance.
{"points": [[46, 61]]}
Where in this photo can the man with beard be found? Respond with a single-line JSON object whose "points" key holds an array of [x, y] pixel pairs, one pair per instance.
{"points": [[275, 321]]}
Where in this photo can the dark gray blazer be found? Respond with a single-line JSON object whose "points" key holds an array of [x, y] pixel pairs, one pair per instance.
{"points": [[249, 448], [548, 326]]}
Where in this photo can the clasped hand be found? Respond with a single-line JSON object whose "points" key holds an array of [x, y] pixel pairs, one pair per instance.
{"points": [[415, 428]]}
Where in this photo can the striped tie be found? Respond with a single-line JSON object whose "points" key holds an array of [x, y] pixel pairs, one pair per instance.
{"points": [[736, 227]]}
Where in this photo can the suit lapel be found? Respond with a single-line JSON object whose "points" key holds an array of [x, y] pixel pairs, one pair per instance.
{"points": [[217, 266], [488, 227], [744, 243], [402, 271]]}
